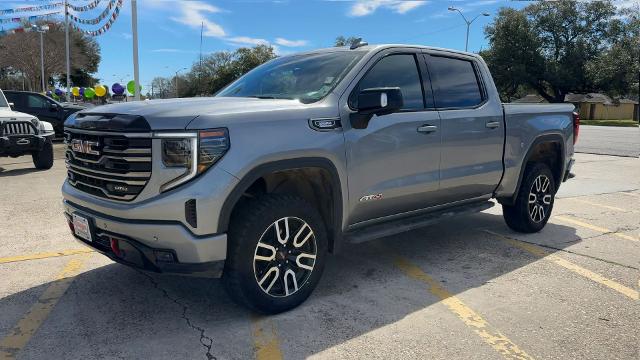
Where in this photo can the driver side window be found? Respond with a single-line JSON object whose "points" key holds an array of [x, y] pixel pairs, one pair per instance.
{"points": [[398, 70]]}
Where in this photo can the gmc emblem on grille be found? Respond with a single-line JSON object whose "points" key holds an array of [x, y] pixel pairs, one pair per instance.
{"points": [[84, 146]]}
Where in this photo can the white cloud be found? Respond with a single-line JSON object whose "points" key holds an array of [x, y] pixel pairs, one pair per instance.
{"points": [[291, 43], [245, 40], [127, 36], [193, 14], [368, 7], [167, 50]]}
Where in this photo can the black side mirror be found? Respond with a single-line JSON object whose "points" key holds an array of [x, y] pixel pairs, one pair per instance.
{"points": [[53, 107], [376, 101]]}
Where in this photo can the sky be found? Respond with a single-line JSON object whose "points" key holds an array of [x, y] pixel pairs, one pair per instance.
{"points": [[169, 30]]}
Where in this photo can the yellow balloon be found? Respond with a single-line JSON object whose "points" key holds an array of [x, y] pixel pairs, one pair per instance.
{"points": [[100, 90], [75, 91]]}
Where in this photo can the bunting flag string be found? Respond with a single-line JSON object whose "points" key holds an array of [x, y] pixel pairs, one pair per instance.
{"points": [[104, 28], [31, 18], [32, 8], [96, 20], [89, 6]]}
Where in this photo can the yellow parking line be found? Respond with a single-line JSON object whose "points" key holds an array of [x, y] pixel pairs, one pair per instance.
{"points": [[540, 252], [615, 208], [22, 332], [45, 255], [595, 228], [480, 326], [265, 339]]}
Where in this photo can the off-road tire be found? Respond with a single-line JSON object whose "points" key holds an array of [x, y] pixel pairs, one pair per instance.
{"points": [[519, 216], [248, 225], [43, 159]]}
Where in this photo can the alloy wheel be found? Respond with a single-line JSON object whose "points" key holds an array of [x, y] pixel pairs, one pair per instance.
{"points": [[539, 198], [285, 256]]}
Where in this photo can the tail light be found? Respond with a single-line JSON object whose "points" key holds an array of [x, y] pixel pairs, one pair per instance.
{"points": [[576, 126]]}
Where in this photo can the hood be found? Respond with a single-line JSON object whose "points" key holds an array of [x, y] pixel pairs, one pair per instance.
{"points": [[6, 114], [172, 114]]}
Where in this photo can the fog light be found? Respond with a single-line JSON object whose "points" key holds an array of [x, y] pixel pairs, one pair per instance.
{"points": [[164, 256]]}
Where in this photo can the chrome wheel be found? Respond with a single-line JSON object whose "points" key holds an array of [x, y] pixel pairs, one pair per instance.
{"points": [[285, 256], [540, 198]]}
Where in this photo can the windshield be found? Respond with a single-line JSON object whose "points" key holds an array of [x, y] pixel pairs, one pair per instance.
{"points": [[307, 78], [3, 101]]}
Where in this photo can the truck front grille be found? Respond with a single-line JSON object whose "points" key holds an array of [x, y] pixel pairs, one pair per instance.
{"points": [[18, 128], [108, 165]]}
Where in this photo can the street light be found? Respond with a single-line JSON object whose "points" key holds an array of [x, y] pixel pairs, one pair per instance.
{"points": [[177, 71], [41, 29], [466, 44]]}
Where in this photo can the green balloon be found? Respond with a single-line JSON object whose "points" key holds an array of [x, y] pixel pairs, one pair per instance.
{"points": [[131, 87], [89, 93]]}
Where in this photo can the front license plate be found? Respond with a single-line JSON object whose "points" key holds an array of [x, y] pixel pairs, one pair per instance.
{"points": [[81, 227]]}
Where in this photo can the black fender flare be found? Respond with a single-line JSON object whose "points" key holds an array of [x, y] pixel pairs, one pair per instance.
{"points": [[544, 138], [282, 165]]}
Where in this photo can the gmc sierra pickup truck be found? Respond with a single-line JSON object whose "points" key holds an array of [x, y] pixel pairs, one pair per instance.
{"points": [[259, 183], [23, 134]]}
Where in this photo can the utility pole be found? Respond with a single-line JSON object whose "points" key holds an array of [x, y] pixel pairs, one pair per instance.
{"points": [[66, 34], [134, 30], [200, 68], [466, 44], [41, 29]]}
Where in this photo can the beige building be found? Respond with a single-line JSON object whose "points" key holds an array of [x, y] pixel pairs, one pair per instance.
{"points": [[594, 106]]}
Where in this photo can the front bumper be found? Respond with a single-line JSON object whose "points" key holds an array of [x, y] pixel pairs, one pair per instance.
{"points": [[17, 145], [146, 244]]}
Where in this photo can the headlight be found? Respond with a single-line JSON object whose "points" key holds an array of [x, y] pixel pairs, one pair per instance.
{"points": [[195, 152]]}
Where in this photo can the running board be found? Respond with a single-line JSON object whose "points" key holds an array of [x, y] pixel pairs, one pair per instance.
{"points": [[394, 227]]}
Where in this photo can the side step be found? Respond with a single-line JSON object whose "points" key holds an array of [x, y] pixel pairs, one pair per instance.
{"points": [[394, 227]]}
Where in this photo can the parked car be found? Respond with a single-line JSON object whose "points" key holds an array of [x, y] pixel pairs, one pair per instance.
{"points": [[23, 134], [43, 107], [302, 154]]}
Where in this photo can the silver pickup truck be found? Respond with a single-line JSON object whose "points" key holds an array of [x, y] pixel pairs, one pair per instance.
{"points": [[259, 183]]}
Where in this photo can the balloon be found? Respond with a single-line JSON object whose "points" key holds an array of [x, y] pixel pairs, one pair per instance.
{"points": [[48, 92], [117, 89], [131, 87], [100, 90], [59, 92], [89, 93], [75, 91]]}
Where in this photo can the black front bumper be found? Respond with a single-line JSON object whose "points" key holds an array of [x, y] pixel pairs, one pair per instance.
{"points": [[130, 252], [17, 145]]}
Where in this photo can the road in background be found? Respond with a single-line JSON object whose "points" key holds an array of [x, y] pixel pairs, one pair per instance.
{"points": [[609, 140]]}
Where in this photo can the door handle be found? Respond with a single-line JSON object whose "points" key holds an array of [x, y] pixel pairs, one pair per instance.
{"points": [[427, 129], [492, 124]]}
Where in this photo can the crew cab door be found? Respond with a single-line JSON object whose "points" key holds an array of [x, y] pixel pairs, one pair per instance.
{"points": [[472, 127], [393, 163]]}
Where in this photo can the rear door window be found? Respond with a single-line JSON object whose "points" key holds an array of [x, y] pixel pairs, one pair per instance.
{"points": [[457, 84], [398, 70]]}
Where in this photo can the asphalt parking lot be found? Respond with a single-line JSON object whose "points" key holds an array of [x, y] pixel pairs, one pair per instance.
{"points": [[466, 288]]}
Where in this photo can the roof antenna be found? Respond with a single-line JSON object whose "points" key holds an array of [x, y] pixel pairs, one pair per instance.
{"points": [[356, 43]]}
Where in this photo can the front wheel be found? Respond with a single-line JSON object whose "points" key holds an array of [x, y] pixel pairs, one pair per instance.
{"points": [[534, 202], [43, 159], [276, 253]]}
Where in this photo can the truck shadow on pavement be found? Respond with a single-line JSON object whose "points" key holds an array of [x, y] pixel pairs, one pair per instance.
{"points": [[114, 311]]}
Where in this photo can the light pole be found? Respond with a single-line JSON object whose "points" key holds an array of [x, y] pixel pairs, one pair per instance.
{"points": [[41, 29], [466, 44], [134, 31], [177, 71]]}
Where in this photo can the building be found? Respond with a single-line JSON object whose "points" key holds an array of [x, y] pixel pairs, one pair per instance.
{"points": [[594, 106], [600, 107]]}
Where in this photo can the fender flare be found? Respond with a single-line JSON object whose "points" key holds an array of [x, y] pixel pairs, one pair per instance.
{"points": [[544, 138], [282, 165]]}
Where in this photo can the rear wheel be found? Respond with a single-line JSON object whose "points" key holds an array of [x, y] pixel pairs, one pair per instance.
{"points": [[276, 253], [534, 202], [43, 159]]}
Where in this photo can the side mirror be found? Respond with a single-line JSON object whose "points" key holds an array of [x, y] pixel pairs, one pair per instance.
{"points": [[376, 101], [53, 107], [12, 105]]}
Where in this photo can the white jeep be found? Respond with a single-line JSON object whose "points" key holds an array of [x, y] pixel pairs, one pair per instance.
{"points": [[22, 134]]}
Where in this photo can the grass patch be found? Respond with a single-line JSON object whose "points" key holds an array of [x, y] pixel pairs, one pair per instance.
{"points": [[623, 123]]}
